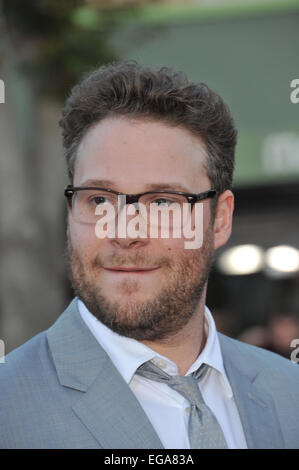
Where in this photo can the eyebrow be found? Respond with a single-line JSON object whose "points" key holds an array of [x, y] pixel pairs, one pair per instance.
{"points": [[149, 187], [98, 183], [170, 186]]}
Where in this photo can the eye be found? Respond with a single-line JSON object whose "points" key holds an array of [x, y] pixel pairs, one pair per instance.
{"points": [[98, 200], [162, 201]]}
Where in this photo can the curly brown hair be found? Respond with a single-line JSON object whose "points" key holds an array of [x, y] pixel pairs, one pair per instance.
{"points": [[130, 89]]}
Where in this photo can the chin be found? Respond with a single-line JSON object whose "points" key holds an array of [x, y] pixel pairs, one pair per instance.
{"points": [[128, 296]]}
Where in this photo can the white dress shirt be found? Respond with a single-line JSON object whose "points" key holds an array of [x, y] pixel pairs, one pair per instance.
{"points": [[166, 409]]}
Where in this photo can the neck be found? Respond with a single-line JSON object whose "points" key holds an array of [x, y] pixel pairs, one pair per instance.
{"points": [[184, 347]]}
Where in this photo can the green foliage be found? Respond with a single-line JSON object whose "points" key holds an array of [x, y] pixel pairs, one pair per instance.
{"points": [[56, 41]]}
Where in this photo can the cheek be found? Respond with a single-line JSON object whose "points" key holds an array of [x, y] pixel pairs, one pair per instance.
{"points": [[172, 245], [83, 237], [200, 216]]}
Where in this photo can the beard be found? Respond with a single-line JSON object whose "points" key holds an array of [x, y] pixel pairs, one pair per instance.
{"points": [[157, 318]]}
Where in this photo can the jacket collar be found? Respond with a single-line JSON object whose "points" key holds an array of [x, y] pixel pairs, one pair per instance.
{"points": [[254, 402]]}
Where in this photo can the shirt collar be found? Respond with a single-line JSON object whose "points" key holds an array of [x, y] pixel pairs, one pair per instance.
{"points": [[211, 353], [128, 354]]}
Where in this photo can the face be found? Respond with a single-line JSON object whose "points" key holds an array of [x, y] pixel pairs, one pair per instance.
{"points": [[144, 288]]}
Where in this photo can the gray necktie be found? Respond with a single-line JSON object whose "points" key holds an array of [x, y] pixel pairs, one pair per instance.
{"points": [[204, 429]]}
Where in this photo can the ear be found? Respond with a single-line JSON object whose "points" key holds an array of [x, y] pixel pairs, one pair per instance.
{"points": [[223, 218]]}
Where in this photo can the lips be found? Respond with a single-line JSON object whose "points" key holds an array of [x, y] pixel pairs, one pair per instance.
{"points": [[131, 269]]}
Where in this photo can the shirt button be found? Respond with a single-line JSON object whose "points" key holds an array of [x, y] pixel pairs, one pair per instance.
{"points": [[160, 363], [187, 410]]}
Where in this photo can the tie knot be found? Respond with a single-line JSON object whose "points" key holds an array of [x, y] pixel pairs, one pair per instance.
{"points": [[187, 386]]}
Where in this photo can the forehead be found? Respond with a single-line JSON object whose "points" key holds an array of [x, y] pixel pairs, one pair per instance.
{"points": [[135, 153]]}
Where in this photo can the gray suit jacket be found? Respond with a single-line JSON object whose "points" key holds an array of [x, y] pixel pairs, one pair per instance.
{"points": [[61, 390]]}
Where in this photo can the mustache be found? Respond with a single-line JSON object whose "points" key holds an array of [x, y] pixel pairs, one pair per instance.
{"points": [[142, 260]]}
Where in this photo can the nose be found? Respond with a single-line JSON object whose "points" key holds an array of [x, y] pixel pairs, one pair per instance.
{"points": [[131, 229]]}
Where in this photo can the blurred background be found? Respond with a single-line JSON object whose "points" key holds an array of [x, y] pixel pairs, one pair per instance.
{"points": [[247, 51]]}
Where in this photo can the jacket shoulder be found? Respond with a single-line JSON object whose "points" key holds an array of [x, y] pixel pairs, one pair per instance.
{"points": [[24, 362], [34, 356], [272, 364]]}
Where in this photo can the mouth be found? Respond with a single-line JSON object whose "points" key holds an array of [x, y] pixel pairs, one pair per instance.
{"points": [[131, 269]]}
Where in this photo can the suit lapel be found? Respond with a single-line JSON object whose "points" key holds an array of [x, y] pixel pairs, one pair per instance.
{"points": [[108, 408], [113, 415], [256, 408]]}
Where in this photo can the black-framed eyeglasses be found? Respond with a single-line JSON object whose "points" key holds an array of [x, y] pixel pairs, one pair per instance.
{"points": [[83, 200]]}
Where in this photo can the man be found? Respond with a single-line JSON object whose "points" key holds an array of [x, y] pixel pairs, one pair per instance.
{"points": [[117, 368]]}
